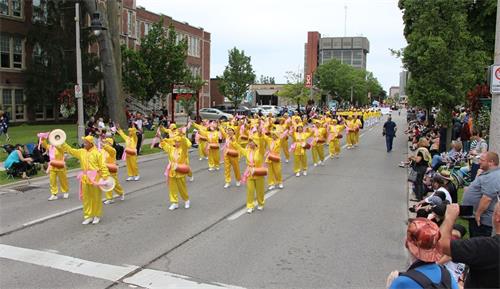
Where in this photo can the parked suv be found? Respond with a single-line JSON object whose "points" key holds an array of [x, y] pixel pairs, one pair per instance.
{"points": [[242, 110], [212, 114]]}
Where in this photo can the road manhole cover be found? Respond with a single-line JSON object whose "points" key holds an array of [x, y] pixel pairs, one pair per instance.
{"points": [[24, 188]]}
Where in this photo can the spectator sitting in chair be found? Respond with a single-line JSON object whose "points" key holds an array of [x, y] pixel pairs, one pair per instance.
{"points": [[17, 163]]}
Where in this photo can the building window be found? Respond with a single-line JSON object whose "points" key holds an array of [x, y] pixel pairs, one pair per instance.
{"points": [[130, 24], [11, 8], [19, 103], [40, 11], [347, 57], [193, 46], [337, 54], [347, 42], [18, 53], [146, 28], [11, 51], [7, 102], [137, 29], [357, 58], [4, 51], [337, 43], [12, 102]]}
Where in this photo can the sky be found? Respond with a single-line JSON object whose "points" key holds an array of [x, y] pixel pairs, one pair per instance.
{"points": [[273, 32]]}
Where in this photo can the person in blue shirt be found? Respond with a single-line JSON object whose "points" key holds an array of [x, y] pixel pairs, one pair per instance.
{"points": [[389, 133], [17, 162], [422, 242]]}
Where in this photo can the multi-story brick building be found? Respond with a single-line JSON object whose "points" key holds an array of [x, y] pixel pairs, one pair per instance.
{"points": [[16, 18]]}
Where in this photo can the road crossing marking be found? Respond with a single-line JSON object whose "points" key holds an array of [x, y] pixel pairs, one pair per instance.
{"points": [[146, 278]]}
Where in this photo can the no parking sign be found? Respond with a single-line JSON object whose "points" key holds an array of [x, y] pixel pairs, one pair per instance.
{"points": [[495, 79]]}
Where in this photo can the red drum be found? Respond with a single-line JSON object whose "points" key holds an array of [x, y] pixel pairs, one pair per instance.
{"points": [[112, 168], [57, 164], [356, 130], [232, 153], [339, 136], [213, 146], [260, 172], [307, 146], [321, 141], [131, 152], [244, 137], [274, 158], [202, 138], [182, 169]]}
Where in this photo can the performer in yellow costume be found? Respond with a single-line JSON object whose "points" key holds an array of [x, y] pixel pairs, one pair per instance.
{"points": [[318, 144], [351, 126], [130, 153], [212, 136], [57, 170], [334, 137], [202, 144], [299, 147], [283, 127], [177, 170], [93, 170], [273, 159], [253, 176], [358, 124], [109, 155], [231, 157]]}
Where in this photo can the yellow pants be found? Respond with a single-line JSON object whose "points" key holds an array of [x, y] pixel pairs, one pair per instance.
{"points": [[118, 188], [318, 152], [91, 201], [213, 158], [132, 169], [300, 163], [201, 149], [255, 186], [334, 147], [275, 177], [351, 139], [63, 181], [284, 147], [177, 186], [228, 163], [356, 138]]}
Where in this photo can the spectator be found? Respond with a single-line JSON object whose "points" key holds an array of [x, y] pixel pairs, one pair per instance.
{"points": [[91, 127], [420, 163], [478, 146], [422, 237], [453, 154], [481, 195], [457, 269], [139, 123], [481, 255], [4, 125], [457, 129], [389, 132], [465, 136], [18, 163]]}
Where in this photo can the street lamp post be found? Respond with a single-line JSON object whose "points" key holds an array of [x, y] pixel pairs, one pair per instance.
{"points": [[96, 27]]}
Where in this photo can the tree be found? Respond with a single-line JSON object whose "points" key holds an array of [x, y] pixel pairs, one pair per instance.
{"points": [[237, 76], [160, 63], [195, 83], [266, 79], [294, 90], [443, 56]]}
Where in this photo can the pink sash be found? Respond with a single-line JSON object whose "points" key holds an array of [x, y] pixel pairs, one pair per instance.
{"points": [[91, 175], [247, 172]]}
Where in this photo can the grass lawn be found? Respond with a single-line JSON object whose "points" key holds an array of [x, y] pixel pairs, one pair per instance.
{"points": [[461, 221], [71, 163]]}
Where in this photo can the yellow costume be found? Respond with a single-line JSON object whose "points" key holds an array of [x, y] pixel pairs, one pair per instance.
{"points": [[299, 152], [358, 124], [93, 169], [334, 131], [230, 161], [212, 137], [351, 132], [56, 154], [131, 160], [275, 174], [176, 180], [318, 144], [109, 155]]}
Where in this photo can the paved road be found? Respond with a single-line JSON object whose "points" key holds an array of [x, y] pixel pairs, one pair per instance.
{"points": [[342, 226]]}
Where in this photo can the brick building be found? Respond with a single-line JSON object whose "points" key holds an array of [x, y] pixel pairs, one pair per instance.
{"points": [[16, 18]]}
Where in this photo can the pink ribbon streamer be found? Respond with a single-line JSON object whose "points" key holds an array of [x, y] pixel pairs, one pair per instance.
{"points": [[41, 136], [91, 175], [247, 172]]}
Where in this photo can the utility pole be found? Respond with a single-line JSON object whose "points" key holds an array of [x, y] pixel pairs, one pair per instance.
{"points": [[495, 101], [79, 81]]}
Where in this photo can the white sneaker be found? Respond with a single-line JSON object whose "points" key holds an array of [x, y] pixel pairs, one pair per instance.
{"points": [[96, 220], [297, 174], [238, 184], [191, 179], [206, 158], [337, 156], [217, 168], [129, 179], [260, 208], [210, 169], [304, 173], [226, 185], [136, 178], [87, 221], [107, 202], [122, 197], [53, 197], [187, 204], [322, 163], [315, 164], [173, 206], [65, 195], [271, 187], [280, 186], [249, 210], [286, 161], [200, 159]]}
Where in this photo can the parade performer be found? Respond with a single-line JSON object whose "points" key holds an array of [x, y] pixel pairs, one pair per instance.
{"points": [[273, 158], [299, 147], [93, 171], [130, 153], [254, 174], [212, 136], [318, 144], [351, 126], [177, 169], [109, 155], [56, 169], [359, 125], [202, 143], [231, 157], [334, 136], [283, 127]]}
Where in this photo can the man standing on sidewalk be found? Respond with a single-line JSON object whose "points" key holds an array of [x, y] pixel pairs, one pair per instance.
{"points": [[139, 126], [389, 133]]}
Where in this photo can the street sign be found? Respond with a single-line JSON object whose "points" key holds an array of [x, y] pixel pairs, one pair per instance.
{"points": [[495, 79], [309, 82], [78, 91]]}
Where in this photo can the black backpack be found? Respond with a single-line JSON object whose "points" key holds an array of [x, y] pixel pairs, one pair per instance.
{"points": [[427, 283]]}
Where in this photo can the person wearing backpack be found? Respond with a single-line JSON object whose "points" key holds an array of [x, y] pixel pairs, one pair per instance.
{"points": [[422, 237]]}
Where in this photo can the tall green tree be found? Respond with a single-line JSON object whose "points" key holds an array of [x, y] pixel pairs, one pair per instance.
{"points": [[266, 80], [161, 60], [237, 77], [444, 58], [294, 90], [195, 83]]}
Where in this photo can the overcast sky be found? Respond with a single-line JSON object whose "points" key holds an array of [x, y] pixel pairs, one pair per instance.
{"points": [[273, 32]]}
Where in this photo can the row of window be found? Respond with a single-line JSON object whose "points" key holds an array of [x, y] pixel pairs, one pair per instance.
{"points": [[12, 102], [11, 8], [11, 51], [350, 57], [195, 70], [194, 45]]}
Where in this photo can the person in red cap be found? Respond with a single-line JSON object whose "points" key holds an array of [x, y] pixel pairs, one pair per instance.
{"points": [[422, 239]]}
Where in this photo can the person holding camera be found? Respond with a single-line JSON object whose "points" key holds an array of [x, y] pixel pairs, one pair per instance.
{"points": [[481, 255]]}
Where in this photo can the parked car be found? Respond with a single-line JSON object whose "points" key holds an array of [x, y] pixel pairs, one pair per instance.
{"points": [[242, 110], [212, 114], [268, 109]]}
